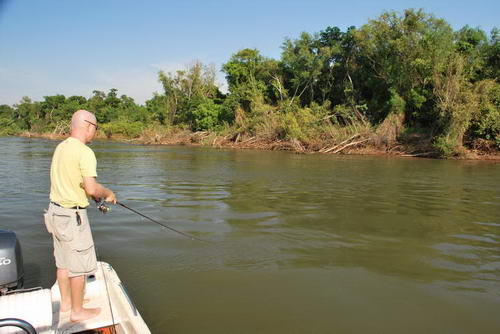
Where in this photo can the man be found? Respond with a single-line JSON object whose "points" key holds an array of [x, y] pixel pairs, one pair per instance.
{"points": [[73, 179]]}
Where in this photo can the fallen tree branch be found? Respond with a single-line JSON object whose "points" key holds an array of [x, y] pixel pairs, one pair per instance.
{"points": [[342, 143], [417, 154], [297, 145], [348, 145], [247, 140]]}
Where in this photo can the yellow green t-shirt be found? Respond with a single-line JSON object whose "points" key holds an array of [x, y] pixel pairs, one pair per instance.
{"points": [[72, 161]]}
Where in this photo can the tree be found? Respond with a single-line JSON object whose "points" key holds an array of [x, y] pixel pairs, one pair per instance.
{"points": [[6, 111], [253, 78], [302, 62], [51, 107], [96, 105], [470, 43], [399, 55], [26, 113], [158, 108], [186, 90], [206, 116], [491, 53]]}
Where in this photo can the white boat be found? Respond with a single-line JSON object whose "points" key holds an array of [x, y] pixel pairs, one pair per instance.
{"points": [[37, 310]]}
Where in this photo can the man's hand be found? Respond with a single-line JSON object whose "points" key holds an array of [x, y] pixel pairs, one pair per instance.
{"points": [[97, 191], [110, 197]]}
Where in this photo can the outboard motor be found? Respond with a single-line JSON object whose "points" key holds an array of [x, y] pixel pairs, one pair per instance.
{"points": [[11, 262]]}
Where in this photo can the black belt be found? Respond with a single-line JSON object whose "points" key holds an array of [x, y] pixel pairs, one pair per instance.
{"points": [[73, 208]]}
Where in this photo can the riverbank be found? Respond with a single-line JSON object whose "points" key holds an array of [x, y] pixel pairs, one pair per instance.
{"points": [[358, 144]]}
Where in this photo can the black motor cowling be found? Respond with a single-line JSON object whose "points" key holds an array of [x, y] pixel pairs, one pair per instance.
{"points": [[11, 262]]}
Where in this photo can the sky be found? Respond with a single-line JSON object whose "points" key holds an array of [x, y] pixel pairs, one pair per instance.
{"points": [[74, 47]]}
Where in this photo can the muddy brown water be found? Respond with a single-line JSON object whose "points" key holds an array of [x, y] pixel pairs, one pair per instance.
{"points": [[301, 243]]}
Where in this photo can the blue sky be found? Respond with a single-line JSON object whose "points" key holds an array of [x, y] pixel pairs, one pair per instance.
{"points": [[74, 47]]}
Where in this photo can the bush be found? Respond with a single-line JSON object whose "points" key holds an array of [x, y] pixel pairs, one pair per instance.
{"points": [[8, 127], [446, 146], [206, 116], [414, 134], [122, 127], [301, 124], [486, 124]]}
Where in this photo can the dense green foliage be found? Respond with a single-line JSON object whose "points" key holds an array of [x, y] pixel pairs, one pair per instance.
{"points": [[399, 75]]}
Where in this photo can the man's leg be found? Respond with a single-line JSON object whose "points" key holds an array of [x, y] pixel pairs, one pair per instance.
{"points": [[64, 289], [78, 313]]}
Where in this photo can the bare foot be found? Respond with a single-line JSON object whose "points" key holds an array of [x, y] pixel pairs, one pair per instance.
{"points": [[67, 308], [85, 314]]}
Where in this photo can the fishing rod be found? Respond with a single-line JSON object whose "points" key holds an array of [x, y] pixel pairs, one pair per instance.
{"points": [[104, 209]]}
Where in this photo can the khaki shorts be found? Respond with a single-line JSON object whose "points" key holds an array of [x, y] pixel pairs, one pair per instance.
{"points": [[73, 245]]}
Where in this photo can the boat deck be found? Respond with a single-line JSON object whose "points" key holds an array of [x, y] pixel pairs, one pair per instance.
{"points": [[40, 307], [97, 296]]}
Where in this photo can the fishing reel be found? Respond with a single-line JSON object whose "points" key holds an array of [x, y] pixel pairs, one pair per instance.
{"points": [[101, 206]]}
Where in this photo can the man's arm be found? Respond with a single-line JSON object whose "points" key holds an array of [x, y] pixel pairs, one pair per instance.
{"points": [[97, 190]]}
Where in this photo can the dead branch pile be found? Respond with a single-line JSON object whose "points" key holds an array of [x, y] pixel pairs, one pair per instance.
{"points": [[350, 142]]}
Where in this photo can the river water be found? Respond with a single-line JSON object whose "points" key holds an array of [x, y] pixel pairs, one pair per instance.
{"points": [[301, 243]]}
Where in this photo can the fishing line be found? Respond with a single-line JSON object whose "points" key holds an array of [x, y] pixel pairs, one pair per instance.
{"points": [[163, 225]]}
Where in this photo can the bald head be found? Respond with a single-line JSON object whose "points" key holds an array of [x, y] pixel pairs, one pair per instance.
{"points": [[82, 123], [80, 118]]}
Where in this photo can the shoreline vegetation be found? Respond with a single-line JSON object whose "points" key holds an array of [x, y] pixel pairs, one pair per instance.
{"points": [[402, 84], [354, 145]]}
